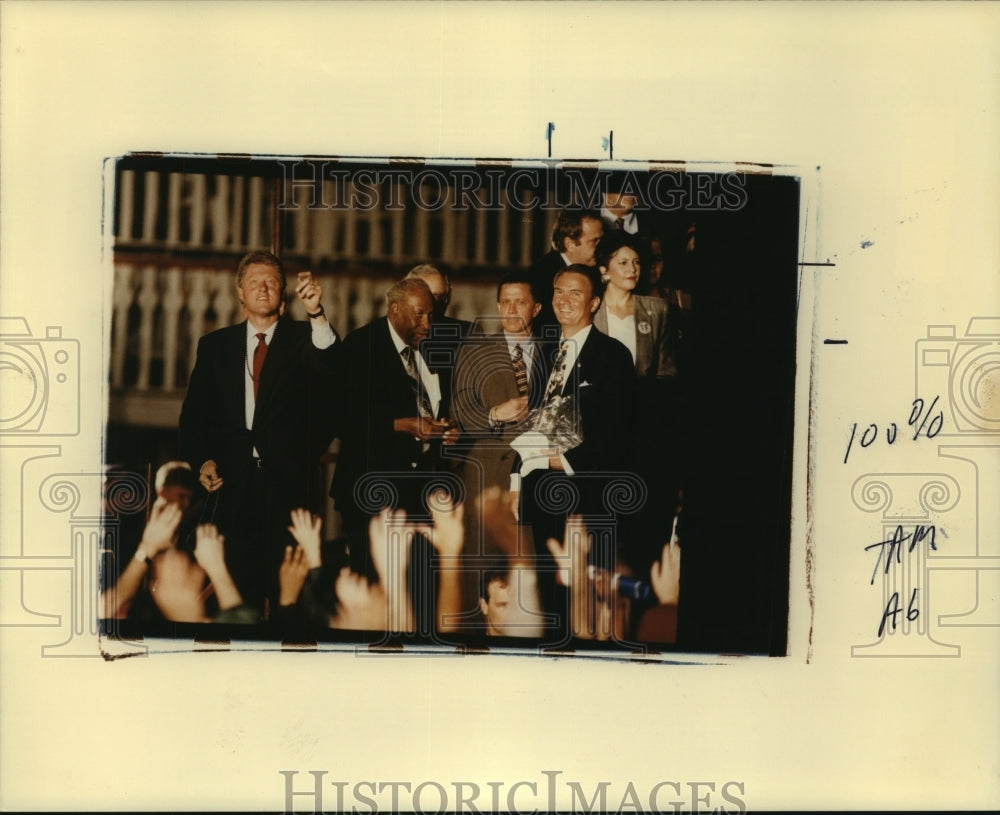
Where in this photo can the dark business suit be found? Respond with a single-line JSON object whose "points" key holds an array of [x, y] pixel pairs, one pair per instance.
{"points": [[291, 429], [378, 466], [602, 383], [654, 439]]}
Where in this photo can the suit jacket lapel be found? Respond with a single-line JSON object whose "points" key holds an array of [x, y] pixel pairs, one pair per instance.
{"points": [[270, 374], [643, 340], [235, 364]]}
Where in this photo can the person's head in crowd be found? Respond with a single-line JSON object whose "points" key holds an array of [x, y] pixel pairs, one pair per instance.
{"points": [[494, 602], [653, 277], [576, 296], [175, 483], [618, 258], [439, 284], [618, 202], [576, 234], [410, 307], [260, 286], [517, 303]]}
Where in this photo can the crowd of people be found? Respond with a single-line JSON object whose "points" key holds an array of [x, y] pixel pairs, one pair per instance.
{"points": [[512, 476]]}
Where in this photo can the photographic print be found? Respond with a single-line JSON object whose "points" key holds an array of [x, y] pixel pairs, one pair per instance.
{"points": [[455, 533], [647, 446]]}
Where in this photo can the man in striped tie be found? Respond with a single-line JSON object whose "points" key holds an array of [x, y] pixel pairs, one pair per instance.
{"points": [[499, 377]]}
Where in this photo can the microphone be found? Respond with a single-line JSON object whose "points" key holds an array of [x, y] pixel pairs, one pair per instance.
{"points": [[630, 588]]}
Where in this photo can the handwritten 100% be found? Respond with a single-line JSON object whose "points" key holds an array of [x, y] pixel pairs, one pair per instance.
{"points": [[922, 420]]}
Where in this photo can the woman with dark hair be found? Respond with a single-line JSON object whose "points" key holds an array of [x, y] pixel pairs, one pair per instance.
{"points": [[641, 323]]}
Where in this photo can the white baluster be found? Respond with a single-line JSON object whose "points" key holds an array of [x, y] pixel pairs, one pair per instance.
{"points": [[448, 222], [460, 249], [173, 302], [175, 185], [236, 214], [197, 198], [527, 251], [479, 247], [300, 230], [324, 226], [503, 237], [349, 219], [421, 225], [126, 206], [398, 232], [227, 307], [147, 300], [197, 306], [150, 206], [121, 302], [218, 207], [254, 212], [365, 291]]}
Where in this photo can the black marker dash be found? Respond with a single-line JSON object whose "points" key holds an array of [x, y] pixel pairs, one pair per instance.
{"points": [[834, 342]]}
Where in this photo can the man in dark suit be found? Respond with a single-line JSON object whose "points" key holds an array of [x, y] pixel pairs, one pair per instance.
{"points": [[394, 416], [255, 422], [597, 371], [394, 422], [574, 240]]}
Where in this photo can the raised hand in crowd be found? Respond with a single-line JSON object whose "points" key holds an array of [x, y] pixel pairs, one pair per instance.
{"points": [[157, 537], [209, 552], [385, 605], [659, 624], [391, 538], [665, 574], [292, 575], [447, 536], [306, 529], [596, 610]]}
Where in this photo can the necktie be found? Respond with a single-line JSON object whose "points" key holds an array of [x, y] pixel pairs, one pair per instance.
{"points": [[423, 401], [520, 370], [258, 362], [620, 224], [558, 373]]}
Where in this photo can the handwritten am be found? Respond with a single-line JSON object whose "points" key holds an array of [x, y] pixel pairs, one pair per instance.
{"points": [[891, 552]]}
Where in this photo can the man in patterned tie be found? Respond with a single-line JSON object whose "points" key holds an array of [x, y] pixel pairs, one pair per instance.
{"points": [[394, 412], [499, 377], [597, 372], [254, 420]]}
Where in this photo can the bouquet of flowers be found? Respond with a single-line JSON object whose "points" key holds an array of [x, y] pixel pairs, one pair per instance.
{"points": [[558, 421]]}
